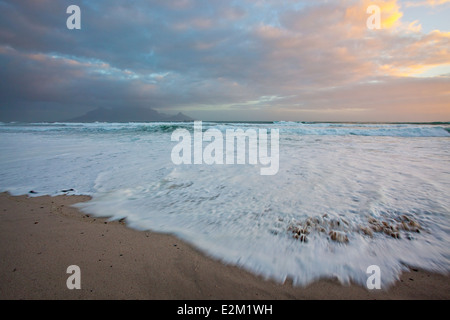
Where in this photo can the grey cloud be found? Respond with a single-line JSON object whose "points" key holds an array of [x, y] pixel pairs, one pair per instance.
{"points": [[202, 56]]}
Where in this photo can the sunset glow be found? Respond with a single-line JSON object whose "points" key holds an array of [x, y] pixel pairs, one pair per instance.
{"points": [[217, 60]]}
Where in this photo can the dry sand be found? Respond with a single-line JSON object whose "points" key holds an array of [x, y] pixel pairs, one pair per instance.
{"points": [[41, 236]]}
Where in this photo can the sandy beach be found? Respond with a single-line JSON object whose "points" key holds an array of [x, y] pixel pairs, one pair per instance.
{"points": [[41, 236]]}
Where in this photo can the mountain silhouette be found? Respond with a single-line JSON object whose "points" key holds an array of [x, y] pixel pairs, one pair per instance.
{"points": [[130, 114]]}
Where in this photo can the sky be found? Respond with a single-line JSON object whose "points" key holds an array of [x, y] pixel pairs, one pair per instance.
{"points": [[246, 60]]}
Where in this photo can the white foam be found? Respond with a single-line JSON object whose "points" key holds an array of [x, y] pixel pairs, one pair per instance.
{"points": [[240, 217]]}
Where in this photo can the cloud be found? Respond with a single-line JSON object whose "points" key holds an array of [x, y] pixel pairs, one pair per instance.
{"points": [[220, 60], [431, 3], [389, 9]]}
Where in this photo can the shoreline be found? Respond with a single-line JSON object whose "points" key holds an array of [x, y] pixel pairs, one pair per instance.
{"points": [[41, 236]]}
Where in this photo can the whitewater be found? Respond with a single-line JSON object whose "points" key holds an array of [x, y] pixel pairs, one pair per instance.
{"points": [[346, 195]]}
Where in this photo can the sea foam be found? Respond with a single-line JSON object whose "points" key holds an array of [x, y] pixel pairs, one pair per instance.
{"points": [[354, 174]]}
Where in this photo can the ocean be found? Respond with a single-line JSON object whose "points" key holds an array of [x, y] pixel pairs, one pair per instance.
{"points": [[346, 196]]}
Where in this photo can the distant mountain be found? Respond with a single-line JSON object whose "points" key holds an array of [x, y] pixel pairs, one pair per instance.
{"points": [[129, 114]]}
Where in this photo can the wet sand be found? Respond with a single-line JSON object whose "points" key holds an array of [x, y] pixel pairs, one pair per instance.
{"points": [[41, 236]]}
